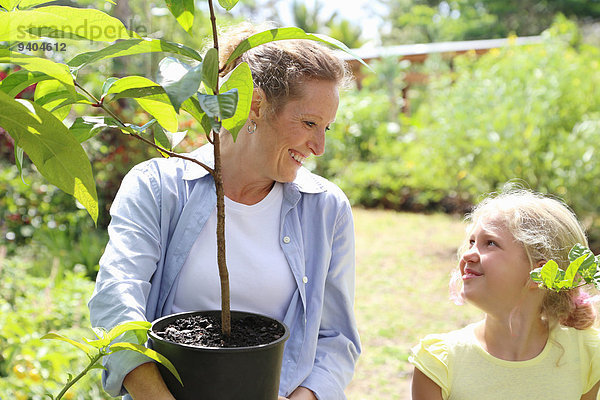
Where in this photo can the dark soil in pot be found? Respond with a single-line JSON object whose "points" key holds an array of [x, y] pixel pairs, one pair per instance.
{"points": [[242, 371], [205, 331]]}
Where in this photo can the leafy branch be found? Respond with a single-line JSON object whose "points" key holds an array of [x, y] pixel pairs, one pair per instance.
{"points": [[103, 345], [582, 270]]}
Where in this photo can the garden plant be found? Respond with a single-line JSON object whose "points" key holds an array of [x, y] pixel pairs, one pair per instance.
{"points": [[40, 129]]}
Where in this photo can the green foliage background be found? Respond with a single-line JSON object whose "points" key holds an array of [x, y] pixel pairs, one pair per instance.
{"points": [[527, 113]]}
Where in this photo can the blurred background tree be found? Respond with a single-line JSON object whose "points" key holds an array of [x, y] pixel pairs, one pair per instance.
{"points": [[422, 21]]}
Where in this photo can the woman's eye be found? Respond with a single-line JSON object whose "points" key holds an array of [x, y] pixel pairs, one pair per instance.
{"points": [[310, 124], [327, 128]]}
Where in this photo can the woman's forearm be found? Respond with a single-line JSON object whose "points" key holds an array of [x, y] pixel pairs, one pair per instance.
{"points": [[145, 382]]}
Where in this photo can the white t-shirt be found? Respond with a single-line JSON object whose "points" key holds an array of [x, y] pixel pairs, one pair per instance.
{"points": [[260, 278]]}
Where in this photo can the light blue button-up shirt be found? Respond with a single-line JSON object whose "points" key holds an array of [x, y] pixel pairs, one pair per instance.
{"points": [[157, 215]]}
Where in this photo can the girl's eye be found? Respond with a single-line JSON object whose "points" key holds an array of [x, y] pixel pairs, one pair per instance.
{"points": [[492, 243], [471, 243]]}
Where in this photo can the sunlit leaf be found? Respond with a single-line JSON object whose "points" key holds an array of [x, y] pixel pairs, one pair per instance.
{"points": [[52, 93], [149, 353], [132, 47], [228, 4], [61, 22], [20, 80], [178, 84], [54, 151], [150, 96], [192, 106], [286, 34], [548, 273], [573, 269], [126, 327], [57, 71], [9, 4], [183, 11], [241, 79], [30, 3], [88, 350]]}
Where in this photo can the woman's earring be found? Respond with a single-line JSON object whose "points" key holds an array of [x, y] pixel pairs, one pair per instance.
{"points": [[252, 127]]}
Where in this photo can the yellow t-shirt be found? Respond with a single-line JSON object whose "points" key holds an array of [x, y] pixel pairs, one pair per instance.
{"points": [[567, 368]]}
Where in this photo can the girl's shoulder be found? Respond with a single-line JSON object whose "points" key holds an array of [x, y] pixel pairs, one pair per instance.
{"points": [[440, 345]]}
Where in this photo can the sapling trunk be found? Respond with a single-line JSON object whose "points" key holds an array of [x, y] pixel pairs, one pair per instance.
{"points": [[218, 177]]}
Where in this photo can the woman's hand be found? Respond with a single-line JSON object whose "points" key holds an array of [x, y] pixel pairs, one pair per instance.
{"points": [[301, 393], [145, 383]]}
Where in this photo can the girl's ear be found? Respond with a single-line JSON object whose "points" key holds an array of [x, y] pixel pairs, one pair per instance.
{"points": [[258, 105]]}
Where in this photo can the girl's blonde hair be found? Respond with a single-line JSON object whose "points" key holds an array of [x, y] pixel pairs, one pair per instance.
{"points": [[547, 229], [280, 68]]}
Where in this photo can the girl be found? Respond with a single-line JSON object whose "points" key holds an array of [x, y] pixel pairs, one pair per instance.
{"points": [[533, 343]]}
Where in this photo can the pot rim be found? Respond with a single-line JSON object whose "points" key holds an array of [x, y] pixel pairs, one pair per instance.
{"points": [[154, 337]]}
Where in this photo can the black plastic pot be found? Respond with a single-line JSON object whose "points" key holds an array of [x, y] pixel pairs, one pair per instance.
{"points": [[215, 373]]}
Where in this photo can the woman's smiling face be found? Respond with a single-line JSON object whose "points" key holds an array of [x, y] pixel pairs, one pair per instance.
{"points": [[285, 139]]}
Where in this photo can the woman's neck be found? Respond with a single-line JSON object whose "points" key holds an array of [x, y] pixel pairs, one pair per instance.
{"points": [[239, 178], [518, 336]]}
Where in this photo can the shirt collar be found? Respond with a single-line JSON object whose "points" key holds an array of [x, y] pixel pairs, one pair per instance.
{"points": [[305, 181]]}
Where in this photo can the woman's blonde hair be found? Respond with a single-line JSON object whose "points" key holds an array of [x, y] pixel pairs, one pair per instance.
{"points": [[547, 229], [280, 68]]}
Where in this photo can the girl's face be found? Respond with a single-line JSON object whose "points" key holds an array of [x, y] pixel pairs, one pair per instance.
{"points": [[495, 268]]}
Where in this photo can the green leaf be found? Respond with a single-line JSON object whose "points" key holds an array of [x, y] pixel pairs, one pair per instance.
{"points": [[167, 140], [107, 84], [536, 275], [87, 349], [241, 79], [149, 353], [20, 80], [51, 94], [56, 153], [150, 96], [61, 22], [57, 71], [573, 269], [126, 327], [132, 47], [221, 106], [9, 4], [548, 273], [285, 34], [179, 80], [23, 4], [577, 251], [84, 128], [228, 4], [183, 11], [192, 106], [210, 69], [19, 161], [210, 124]]}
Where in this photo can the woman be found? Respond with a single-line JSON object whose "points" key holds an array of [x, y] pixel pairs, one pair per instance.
{"points": [[290, 239]]}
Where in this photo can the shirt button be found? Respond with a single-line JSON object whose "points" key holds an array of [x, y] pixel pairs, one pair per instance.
{"points": [[286, 239], [305, 279]]}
